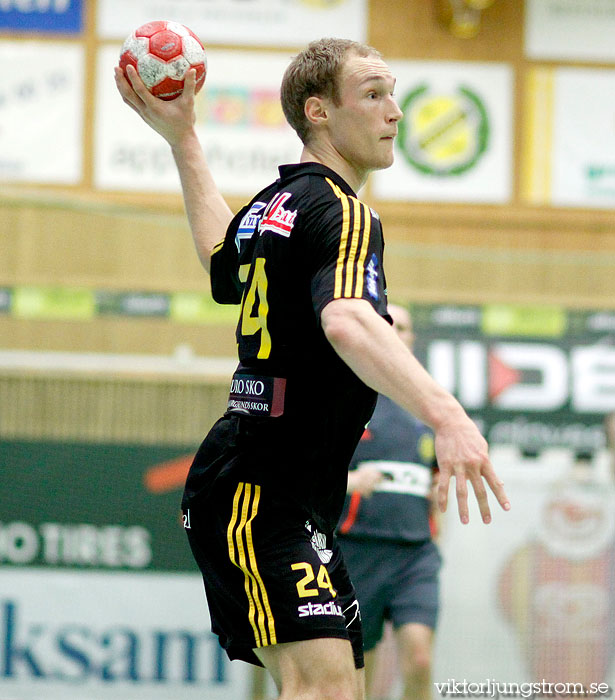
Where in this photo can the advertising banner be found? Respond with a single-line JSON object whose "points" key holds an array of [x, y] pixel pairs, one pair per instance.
{"points": [[584, 138], [570, 140], [570, 30], [239, 121], [41, 112], [110, 636], [534, 377], [52, 16], [100, 597], [119, 511], [531, 595], [241, 22], [454, 141]]}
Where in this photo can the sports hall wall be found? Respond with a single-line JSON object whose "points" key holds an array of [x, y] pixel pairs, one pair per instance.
{"points": [[500, 227], [530, 221]]}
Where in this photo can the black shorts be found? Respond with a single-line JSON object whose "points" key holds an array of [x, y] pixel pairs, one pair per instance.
{"points": [[269, 578], [394, 581]]}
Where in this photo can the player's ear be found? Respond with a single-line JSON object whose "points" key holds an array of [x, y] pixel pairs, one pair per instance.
{"points": [[316, 110]]}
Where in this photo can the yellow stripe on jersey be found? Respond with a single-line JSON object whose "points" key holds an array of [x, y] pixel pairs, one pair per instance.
{"points": [[354, 244], [349, 266], [217, 247], [259, 610], [367, 216], [339, 268]]}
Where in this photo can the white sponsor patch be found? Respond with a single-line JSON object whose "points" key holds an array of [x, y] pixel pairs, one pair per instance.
{"points": [[403, 477]]}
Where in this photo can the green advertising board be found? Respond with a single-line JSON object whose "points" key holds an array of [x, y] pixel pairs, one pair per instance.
{"points": [[93, 506], [530, 376]]}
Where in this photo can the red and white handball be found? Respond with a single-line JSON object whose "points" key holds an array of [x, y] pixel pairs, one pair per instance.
{"points": [[163, 52]]}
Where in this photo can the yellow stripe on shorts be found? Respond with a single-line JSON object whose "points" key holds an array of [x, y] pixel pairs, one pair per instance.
{"points": [[241, 553]]}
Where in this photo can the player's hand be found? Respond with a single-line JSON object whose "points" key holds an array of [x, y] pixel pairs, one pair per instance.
{"points": [[462, 452], [172, 119], [432, 497], [364, 480]]}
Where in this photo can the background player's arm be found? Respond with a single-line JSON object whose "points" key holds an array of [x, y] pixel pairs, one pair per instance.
{"points": [[373, 350], [364, 480], [207, 211]]}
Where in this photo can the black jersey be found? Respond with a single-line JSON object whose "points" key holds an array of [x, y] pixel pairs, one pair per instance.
{"points": [[301, 243], [403, 449]]}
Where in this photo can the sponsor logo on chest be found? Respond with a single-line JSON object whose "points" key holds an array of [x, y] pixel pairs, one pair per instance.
{"points": [[276, 218]]}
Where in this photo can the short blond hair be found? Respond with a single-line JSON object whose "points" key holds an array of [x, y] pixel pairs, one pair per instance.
{"points": [[315, 72]]}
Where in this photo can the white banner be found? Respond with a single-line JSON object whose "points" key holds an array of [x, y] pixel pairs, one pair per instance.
{"points": [[41, 112], [583, 149], [455, 139], [570, 30], [529, 598], [241, 22], [110, 636], [239, 121]]}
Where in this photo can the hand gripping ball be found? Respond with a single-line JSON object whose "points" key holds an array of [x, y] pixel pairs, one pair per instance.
{"points": [[163, 52]]}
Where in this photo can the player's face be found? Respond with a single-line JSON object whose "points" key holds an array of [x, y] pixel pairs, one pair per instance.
{"points": [[364, 125]]}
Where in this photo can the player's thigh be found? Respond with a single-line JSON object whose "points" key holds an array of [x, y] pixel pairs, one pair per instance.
{"points": [[322, 669]]}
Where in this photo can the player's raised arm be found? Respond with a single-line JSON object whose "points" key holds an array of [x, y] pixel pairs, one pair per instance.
{"points": [[372, 349], [207, 211]]}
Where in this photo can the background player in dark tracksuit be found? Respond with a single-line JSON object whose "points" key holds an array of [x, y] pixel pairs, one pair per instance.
{"points": [[315, 344], [385, 534]]}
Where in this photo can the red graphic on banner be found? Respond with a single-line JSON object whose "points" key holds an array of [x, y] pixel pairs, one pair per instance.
{"points": [[501, 376], [168, 476]]}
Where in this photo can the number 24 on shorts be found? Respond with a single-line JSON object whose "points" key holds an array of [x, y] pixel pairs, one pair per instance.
{"points": [[322, 580]]}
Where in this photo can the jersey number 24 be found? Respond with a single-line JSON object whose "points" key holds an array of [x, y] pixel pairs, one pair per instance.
{"points": [[250, 325]]}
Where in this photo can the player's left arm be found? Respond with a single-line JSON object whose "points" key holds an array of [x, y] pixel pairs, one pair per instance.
{"points": [[374, 351], [207, 211]]}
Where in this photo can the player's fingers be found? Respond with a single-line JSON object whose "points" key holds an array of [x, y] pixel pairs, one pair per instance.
{"points": [[442, 491], [481, 497], [462, 497], [497, 486], [138, 85], [189, 84], [125, 89]]}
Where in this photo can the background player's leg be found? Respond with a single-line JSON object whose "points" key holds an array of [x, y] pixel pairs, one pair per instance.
{"points": [[371, 659], [314, 669], [415, 651]]}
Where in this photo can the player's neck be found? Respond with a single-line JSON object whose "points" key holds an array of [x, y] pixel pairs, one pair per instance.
{"points": [[317, 153]]}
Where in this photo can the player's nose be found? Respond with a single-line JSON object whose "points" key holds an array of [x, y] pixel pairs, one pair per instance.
{"points": [[395, 113]]}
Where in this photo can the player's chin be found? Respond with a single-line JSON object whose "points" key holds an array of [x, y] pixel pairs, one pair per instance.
{"points": [[386, 151], [386, 160]]}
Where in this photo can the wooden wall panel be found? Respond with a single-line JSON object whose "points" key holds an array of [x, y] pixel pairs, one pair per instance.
{"points": [[455, 253]]}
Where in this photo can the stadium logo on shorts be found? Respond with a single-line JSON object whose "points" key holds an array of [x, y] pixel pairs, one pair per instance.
{"points": [[443, 134], [311, 609]]}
